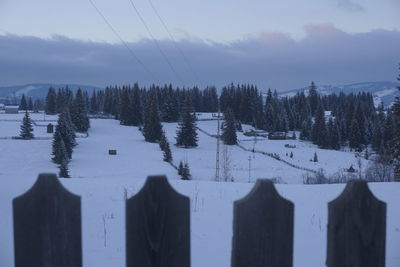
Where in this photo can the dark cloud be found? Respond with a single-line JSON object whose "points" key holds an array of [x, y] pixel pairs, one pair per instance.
{"points": [[326, 55], [350, 5]]}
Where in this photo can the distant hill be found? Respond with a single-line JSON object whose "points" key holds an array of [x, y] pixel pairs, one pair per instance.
{"points": [[382, 91], [38, 90]]}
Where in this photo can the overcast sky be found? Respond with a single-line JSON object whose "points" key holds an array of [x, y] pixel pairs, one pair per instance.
{"points": [[281, 44]]}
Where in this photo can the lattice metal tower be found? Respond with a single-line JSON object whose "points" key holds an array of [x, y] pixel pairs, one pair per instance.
{"points": [[218, 141]]}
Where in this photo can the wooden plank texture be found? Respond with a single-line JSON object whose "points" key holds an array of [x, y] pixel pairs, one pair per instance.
{"points": [[356, 228], [158, 226], [263, 229], [47, 226]]}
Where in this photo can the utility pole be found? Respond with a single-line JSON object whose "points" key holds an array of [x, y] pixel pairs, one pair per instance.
{"points": [[217, 156]]}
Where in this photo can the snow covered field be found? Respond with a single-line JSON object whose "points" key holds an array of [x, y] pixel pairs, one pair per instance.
{"points": [[138, 158], [102, 180]]}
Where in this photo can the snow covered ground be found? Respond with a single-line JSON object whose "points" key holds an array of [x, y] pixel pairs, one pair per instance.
{"points": [[138, 158], [102, 180]]}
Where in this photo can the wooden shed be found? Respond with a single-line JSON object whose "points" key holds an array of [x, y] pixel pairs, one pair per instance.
{"points": [[277, 136], [11, 109], [50, 128]]}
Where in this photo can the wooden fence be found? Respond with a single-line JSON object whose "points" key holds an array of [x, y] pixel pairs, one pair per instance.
{"points": [[47, 227]]}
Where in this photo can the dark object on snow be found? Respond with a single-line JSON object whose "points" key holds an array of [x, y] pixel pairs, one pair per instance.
{"points": [[290, 146], [112, 152], [315, 157], [356, 228], [351, 169], [47, 225], [277, 136], [50, 128], [157, 226], [263, 228]]}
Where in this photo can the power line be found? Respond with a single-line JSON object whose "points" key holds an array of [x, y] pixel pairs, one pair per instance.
{"points": [[124, 43], [156, 43], [175, 42]]}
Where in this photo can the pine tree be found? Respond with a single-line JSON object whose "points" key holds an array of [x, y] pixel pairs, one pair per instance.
{"points": [[306, 130], [67, 131], [37, 106], [94, 106], [59, 150], [26, 127], [152, 128], [51, 106], [163, 141], [270, 116], [169, 110], [79, 113], [64, 173], [125, 106], [355, 139], [377, 135], [30, 104], [319, 134], [335, 136], [167, 153], [23, 104], [313, 98], [185, 173], [180, 168], [186, 133], [136, 106], [229, 130], [359, 116]]}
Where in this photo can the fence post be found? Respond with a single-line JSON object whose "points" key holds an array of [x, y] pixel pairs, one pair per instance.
{"points": [[262, 229], [356, 228], [158, 226], [47, 226]]}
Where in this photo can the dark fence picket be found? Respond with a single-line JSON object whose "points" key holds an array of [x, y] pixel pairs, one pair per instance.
{"points": [[158, 226], [47, 226], [356, 228], [263, 229]]}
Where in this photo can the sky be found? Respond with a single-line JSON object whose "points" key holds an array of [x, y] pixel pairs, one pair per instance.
{"points": [[279, 44]]}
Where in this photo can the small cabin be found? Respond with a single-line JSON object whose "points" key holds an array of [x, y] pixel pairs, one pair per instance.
{"points": [[11, 109], [112, 152], [277, 136], [252, 132], [50, 128]]}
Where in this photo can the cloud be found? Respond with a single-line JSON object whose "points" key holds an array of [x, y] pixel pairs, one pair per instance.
{"points": [[349, 5], [326, 55]]}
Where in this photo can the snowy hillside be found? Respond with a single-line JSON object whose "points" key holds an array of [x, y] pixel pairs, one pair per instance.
{"points": [[382, 91], [103, 181]]}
